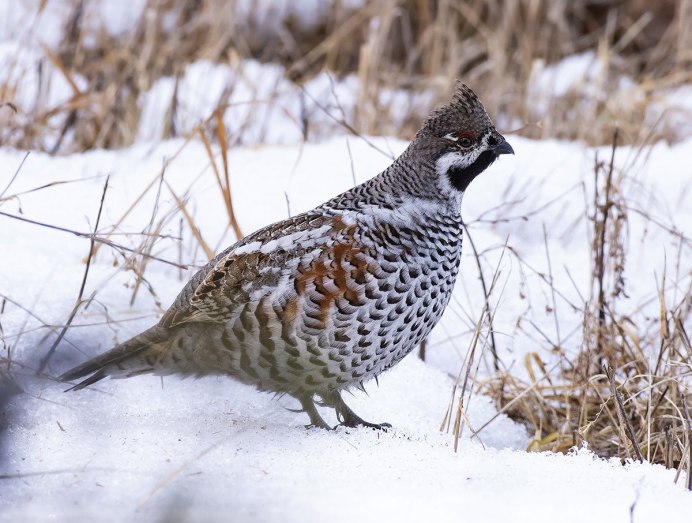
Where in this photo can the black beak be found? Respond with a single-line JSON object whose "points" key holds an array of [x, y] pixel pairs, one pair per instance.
{"points": [[503, 148]]}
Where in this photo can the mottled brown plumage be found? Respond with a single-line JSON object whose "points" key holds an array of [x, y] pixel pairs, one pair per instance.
{"points": [[328, 299]]}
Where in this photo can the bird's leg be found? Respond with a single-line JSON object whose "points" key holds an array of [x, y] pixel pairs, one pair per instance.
{"points": [[346, 416], [308, 406]]}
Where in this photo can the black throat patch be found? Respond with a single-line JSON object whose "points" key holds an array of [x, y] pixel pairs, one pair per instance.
{"points": [[461, 177]]}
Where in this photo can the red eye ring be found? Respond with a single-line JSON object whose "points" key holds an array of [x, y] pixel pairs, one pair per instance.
{"points": [[467, 134], [465, 138]]}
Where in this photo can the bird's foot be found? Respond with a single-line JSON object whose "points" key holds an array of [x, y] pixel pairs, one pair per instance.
{"points": [[322, 425], [308, 406], [384, 427], [352, 420], [347, 417]]}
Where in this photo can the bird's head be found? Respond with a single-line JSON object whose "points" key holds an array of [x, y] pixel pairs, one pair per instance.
{"points": [[460, 140]]}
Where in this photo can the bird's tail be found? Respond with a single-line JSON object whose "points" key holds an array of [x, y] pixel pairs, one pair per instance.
{"points": [[136, 356]]}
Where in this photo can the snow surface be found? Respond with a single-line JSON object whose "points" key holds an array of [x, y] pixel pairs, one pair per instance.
{"points": [[212, 449]]}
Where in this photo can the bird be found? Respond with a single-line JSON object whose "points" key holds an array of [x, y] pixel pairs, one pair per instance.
{"points": [[318, 304]]}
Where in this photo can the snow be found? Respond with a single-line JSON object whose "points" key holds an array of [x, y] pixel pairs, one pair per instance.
{"points": [[200, 450], [261, 106], [213, 450], [579, 70], [268, 16], [585, 78], [18, 61]]}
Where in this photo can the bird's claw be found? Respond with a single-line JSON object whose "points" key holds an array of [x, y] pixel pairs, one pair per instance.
{"points": [[319, 426], [384, 427]]}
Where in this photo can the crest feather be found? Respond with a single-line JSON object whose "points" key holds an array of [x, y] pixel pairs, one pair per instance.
{"points": [[464, 111]]}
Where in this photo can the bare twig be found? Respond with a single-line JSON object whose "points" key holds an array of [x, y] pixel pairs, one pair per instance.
{"points": [[14, 176], [484, 317], [79, 301], [486, 294], [208, 251], [625, 426], [226, 186], [688, 424], [601, 245], [346, 125], [96, 239]]}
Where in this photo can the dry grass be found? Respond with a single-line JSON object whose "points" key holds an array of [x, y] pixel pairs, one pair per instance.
{"points": [[624, 394], [498, 47], [626, 391]]}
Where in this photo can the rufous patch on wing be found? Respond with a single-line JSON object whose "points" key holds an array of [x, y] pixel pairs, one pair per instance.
{"points": [[338, 224], [290, 312], [338, 264]]}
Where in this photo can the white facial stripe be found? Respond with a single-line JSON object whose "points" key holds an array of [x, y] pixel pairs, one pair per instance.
{"points": [[456, 159]]}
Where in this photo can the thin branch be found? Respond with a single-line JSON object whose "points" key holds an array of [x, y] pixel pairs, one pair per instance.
{"points": [[79, 302], [16, 173], [486, 294], [345, 124], [96, 239]]}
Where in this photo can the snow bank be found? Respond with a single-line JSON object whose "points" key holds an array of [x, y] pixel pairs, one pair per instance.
{"points": [[212, 450]]}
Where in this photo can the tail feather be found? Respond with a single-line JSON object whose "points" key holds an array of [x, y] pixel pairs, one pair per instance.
{"points": [[97, 376], [107, 363]]}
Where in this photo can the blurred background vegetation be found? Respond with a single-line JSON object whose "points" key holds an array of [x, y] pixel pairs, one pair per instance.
{"points": [[637, 52]]}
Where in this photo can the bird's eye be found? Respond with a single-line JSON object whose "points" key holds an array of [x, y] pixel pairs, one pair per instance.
{"points": [[465, 139]]}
